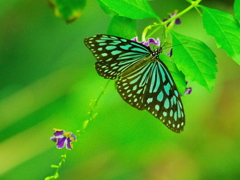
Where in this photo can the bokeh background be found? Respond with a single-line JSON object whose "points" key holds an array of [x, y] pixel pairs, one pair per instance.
{"points": [[47, 79]]}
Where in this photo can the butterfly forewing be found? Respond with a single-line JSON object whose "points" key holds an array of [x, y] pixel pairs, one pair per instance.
{"points": [[144, 81], [114, 54]]}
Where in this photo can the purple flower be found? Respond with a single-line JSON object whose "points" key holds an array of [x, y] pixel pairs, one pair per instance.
{"points": [[176, 21], [170, 53], [63, 138], [148, 42], [188, 90]]}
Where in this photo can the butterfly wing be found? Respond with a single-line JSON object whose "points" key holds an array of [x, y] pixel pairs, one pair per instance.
{"points": [[152, 87], [115, 54], [144, 85]]}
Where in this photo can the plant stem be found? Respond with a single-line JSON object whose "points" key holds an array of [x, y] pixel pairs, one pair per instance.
{"points": [[194, 4]]}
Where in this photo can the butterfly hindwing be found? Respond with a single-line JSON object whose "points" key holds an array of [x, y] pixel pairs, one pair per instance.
{"points": [[114, 54], [152, 88]]}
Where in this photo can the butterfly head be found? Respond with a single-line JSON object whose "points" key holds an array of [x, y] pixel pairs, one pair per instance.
{"points": [[156, 52]]}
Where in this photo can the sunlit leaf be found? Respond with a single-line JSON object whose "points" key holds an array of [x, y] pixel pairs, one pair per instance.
{"points": [[106, 9], [195, 59], [237, 9], [133, 9], [225, 29]]}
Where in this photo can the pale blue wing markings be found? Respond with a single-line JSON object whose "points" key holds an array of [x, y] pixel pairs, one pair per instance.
{"points": [[135, 77], [103, 35], [179, 112], [149, 100], [122, 67], [171, 113], [139, 91], [109, 37], [100, 41], [170, 78], [104, 54], [168, 75], [119, 42], [174, 100], [158, 81], [138, 50], [132, 53], [138, 72], [155, 81], [114, 43], [157, 107], [135, 80], [115, 67], [160, 96], [115, 52], [131, 57], [135, 88], [102, 44], [167, 88], [147, 50], [172, 103], [125, 47], [113, 64], [166, 103], [176, 93], [180, 104], [111, 47], [162, 74], [175, 116], [109, 59], [152, 83], [130, 95], [145, 76], [164, 113], [123, 40]]}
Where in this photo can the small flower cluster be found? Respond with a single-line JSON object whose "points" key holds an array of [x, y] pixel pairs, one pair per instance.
{"points": [[148, 42], [63, 138], [177, 21]]}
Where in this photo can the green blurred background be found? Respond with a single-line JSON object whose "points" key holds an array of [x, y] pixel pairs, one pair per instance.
{"points": [[48, 79]]}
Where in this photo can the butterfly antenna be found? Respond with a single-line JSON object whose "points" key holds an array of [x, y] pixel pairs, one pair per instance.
{"points": [[174, 45]]}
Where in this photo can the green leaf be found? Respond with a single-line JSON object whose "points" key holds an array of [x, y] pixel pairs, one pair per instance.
{"points": [[237, 9], [195, 59], [69, 10], [225, 29], [122, 27], [178, 76], [106, 9], [133, 9]]}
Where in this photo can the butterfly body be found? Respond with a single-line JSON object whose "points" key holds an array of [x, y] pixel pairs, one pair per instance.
{"points": [[149, 59], [143, 80]]}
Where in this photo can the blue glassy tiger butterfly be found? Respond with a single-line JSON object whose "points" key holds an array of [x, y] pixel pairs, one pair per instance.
{"points": [[143, 80]]}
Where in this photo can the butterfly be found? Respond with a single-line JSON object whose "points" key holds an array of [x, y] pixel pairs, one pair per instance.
{"points": [[143, 80]]}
